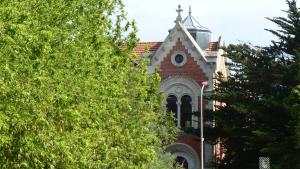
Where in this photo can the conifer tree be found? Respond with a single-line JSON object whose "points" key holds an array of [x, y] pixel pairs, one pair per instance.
{"points": [[260, 111], [289, 43]]}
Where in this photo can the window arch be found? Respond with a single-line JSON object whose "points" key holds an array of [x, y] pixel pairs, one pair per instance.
{"points": [[172, 106], [182, 110], [186, 111], [188, 157]]}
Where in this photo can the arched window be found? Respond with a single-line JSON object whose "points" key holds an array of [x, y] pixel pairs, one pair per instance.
{"points": [[172, 106], [182, 162], [186, 111]]}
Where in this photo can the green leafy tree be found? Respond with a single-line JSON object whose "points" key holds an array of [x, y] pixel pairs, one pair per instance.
{"points": [[260, 111], [69, 96]]}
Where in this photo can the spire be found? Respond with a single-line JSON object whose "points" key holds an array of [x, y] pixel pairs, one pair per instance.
{"points": [[191, 23], [179, 10]]}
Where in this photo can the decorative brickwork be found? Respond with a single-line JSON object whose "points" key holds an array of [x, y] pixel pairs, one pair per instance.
{"points": [[190, 68], [183, 67]]}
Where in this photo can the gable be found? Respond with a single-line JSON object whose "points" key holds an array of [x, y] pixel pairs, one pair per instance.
{"points": [[190, 69], [178, 32], [195, 52]]}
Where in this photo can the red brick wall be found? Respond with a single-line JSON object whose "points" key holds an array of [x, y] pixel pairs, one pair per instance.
{"points": [[190, 68], [192, 141]]}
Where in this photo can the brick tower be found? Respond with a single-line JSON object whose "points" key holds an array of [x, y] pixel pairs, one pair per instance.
{"points": [[187, 58]]}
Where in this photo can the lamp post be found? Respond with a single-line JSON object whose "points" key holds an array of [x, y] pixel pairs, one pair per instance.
{"points": [[205, 83]]}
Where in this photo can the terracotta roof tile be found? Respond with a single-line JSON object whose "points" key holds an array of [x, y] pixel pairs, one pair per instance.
{"points": [[150, 47], [213, 46]]}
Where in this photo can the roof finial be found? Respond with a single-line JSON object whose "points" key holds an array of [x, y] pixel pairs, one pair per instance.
{"points": [[179, 10], [190, 10]]}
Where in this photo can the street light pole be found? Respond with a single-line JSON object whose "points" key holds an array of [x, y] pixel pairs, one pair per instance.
{"points": [[201, 122]]}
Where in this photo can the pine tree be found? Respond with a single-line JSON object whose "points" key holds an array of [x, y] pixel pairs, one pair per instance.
{"points": [[70, 97], [259, 115], [289, 43]]}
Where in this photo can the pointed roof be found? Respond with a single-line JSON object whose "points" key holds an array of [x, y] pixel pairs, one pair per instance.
{"points": [[192, 40], [192, 24]]}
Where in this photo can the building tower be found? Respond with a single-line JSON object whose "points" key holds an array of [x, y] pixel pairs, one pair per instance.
{"points": [[187, 58]]}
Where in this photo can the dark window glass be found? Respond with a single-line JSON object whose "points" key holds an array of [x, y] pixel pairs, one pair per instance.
{"points": [[186, 111], [181, 161], [179, 58], [172, 106]]}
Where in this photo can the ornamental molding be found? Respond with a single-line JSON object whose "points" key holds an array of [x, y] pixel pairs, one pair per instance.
{"points": [[179, 80], [187, 152]]}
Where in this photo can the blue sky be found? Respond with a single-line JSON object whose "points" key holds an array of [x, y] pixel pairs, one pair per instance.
{"points": [[235, 20]]}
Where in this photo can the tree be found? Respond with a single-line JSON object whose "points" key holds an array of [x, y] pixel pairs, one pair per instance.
{"points": [[259, 115], [70, 97], [289, 43]]}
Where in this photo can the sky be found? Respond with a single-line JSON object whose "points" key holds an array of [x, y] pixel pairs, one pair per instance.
{"points": [[236, 20]]}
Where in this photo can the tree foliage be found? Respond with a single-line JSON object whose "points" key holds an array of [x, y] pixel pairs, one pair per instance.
{"points": [[259, 115], [69, 96]]}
